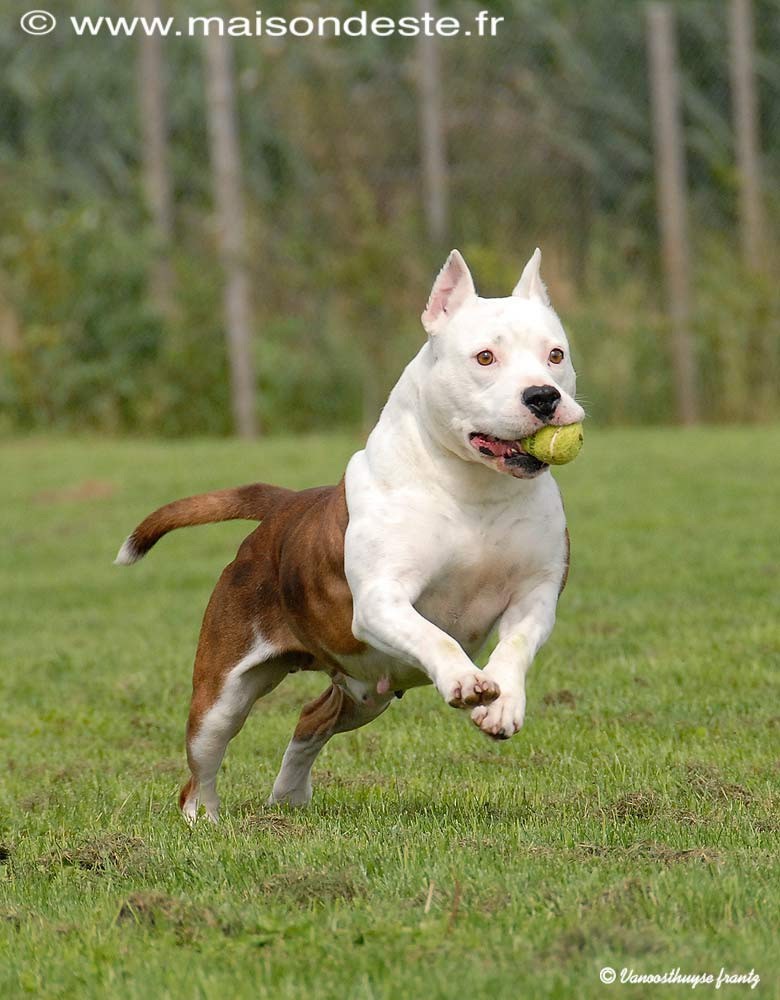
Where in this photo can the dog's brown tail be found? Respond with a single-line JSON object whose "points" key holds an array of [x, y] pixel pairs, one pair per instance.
{"points": [[250, 503]]}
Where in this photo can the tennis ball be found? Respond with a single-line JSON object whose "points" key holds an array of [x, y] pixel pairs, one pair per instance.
{"points": [[555, 445]]}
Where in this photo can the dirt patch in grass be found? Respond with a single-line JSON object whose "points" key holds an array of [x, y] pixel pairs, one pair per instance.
{"points": [[11, 918], [601, 628], [305, 888], [502, 757], [112, 852], [479, 757], [165, 767], [5, 854], [706, 783], [640, 717], [90, 489], [35, 802], [687, 818], [618, 904], [374, 779], [593, 935], [274, 824], [636, 805], [652, 851], [152, 908], [51, 786], [157, 909], [625, 892], [767, 825], [562, 697]]}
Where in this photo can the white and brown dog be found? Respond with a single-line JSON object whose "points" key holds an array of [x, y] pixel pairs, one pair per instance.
{"points": [[441, 528]]}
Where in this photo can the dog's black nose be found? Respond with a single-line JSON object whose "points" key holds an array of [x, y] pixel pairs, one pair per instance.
{"points": [[541, 400]]}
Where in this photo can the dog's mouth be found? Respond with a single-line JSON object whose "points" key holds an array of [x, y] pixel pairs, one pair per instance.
{"points": [[508, 455]]}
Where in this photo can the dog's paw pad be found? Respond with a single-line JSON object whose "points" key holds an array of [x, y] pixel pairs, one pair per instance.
{"points": [[471, 689], [501, 719]]}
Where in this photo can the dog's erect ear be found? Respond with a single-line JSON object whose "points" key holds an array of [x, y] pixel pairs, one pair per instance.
{"points": [[530, 285], [453, 287]]}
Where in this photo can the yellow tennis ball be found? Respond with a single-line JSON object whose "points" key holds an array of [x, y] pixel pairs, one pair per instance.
{"points": [[555, 445]]}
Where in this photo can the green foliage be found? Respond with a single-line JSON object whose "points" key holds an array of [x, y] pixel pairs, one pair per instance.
{"points": [[89, 338], [549, 143], [634, 821], [308, 377]]}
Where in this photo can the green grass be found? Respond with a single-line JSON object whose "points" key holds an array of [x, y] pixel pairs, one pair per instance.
{"points": [[633, 822]]}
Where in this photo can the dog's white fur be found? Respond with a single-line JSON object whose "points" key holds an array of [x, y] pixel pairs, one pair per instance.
{"points": [[441, 545]]}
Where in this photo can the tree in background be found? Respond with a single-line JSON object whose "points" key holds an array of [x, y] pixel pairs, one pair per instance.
{"points": [[226, 164], [549, 141], [155, 160]]}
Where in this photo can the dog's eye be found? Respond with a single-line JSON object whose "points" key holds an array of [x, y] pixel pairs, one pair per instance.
{"points": [[556, 355], [486, 357]]}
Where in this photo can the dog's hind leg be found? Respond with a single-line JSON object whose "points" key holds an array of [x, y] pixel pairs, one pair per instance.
{"points": [[221, 703], [344, 706]]}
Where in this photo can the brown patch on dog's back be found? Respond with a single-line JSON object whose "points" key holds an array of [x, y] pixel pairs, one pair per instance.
{"points": [[288, 578], [287, 588], [240, 573], [315, 592]]}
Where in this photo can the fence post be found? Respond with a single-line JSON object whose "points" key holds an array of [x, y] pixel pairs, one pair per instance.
{"points": [[226, 166], [432, 130], [671, 200]]}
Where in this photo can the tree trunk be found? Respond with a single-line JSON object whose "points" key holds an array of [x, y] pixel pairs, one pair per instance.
{"points": [[672, 208], [432, 131], [745, 112], [226, 166], [755, 246], [156, 173]]}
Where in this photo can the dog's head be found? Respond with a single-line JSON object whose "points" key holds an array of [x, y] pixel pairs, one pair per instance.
{"points": [[499, 368]]}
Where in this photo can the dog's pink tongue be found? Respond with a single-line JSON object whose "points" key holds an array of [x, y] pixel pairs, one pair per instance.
{"points": [[383, 685], [491, 446], [488, 446]]}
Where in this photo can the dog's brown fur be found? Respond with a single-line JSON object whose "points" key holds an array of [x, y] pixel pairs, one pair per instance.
{"points": [[286, 584]]}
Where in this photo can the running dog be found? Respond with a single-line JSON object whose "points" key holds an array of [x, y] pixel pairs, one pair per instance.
{"points": [[441, 529]]}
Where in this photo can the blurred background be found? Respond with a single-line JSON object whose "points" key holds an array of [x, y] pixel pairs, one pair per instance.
{"points": [[237, 235]]}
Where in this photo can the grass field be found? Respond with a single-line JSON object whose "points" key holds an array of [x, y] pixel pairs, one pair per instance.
{"points": [[634, 822]]}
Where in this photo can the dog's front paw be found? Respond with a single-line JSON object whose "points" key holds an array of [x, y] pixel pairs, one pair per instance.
{"points": [[502, 719], [473, 688]]}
